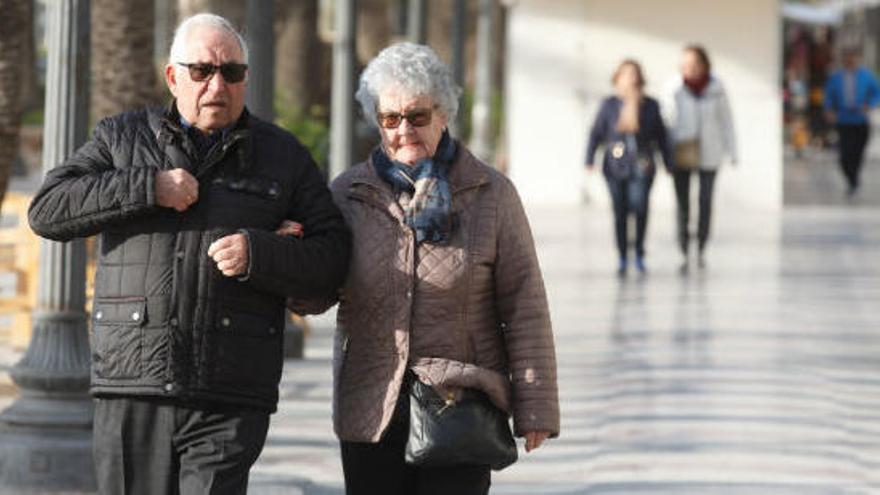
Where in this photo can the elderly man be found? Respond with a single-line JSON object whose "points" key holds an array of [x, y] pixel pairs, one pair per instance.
{"points": [[189, 295]]}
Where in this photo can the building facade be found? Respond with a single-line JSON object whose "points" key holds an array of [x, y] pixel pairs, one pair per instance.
{"points": [[561, 54]]}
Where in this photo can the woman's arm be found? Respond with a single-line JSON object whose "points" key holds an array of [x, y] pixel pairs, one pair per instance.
{"points": [[521, 302], [597, 134], [661, 136], [727, 128]]}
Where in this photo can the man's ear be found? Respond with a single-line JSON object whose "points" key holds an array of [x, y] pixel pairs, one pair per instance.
{"points": [[171, 78]]}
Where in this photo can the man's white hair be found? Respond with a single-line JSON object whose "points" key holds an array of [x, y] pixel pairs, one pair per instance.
{"points": [[414, 69], [178, 51]]}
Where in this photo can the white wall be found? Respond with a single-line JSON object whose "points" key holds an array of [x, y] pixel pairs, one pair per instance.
{"points": [[561, 54]]}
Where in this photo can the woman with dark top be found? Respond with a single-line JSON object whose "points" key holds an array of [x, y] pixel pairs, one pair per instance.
{"points": [[631, 129]]}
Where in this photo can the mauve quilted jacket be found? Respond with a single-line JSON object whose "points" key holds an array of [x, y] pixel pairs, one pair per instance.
{"points": [[470, 313]]}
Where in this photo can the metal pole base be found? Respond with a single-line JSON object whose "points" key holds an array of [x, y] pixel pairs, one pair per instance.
{"points": [[46, 460], [45, 435], [35, 411]]}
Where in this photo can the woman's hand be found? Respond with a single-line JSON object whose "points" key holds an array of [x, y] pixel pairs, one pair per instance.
{"points": [[289, 227], [534, 439]]}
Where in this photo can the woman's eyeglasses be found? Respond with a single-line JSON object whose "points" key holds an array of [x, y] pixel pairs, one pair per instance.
{"points": [[419, 117], [232, 73]]}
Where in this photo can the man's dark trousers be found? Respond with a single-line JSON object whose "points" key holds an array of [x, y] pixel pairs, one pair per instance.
{"points": [[154, 446], [852, 142]]}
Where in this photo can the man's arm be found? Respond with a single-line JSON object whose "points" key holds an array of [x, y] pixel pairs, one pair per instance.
{"points": [[87, 193], [313, 266], [873, 90]]}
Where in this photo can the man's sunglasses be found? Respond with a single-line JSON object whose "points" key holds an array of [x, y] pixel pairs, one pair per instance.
{"points": [[232, 73], [419, 117]]}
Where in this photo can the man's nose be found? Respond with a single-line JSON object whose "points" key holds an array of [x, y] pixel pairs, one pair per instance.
{"points": [[216, 82]]}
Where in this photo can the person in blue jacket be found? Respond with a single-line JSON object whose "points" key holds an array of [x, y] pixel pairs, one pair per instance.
{"points": [[630, 128], [849, 94]]}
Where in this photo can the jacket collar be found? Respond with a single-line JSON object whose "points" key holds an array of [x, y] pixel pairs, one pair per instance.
{"points": [[712, 88], [464, 173], [169, 132]]}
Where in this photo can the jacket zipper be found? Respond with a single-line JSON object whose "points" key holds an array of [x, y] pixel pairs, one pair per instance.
{"points": [[217, 156]]}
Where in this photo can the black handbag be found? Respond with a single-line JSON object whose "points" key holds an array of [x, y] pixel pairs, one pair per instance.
{"points": [[450, 432]]}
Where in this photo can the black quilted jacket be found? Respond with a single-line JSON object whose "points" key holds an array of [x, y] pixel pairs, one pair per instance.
{"points": [[165, 321]]}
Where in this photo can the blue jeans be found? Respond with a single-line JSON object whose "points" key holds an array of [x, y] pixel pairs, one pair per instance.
{"points": [[630, 197]]}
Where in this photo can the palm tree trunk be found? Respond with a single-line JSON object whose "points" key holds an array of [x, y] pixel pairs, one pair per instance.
{"points": [[123, 74], [373, 28], [298, 70], [15, 26], [233, 10]]}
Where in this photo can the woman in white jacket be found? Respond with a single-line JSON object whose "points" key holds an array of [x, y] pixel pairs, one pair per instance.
{"points": [[702, 130]]}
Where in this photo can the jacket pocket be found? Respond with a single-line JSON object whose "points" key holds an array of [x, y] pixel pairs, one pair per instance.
{"points": [[248, 351], [247, 202], [117, 337]]}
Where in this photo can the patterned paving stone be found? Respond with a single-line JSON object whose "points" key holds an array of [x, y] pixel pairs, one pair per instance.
{"points": [[757, 375]]}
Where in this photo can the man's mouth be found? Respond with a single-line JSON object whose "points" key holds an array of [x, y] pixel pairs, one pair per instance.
{"points": [[214, 104]]}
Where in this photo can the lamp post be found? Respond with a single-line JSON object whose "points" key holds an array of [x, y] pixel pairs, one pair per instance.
{"points": [[481, 114], [261, 76], [342, 104], [45, 435]]}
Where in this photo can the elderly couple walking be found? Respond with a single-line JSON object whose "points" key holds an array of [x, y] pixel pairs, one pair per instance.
{"points": [[212, 220]]}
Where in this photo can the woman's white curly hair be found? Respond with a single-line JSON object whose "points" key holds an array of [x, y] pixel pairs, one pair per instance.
{"points": [[413, 69]]}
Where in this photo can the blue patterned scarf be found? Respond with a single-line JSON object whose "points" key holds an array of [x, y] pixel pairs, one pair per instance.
{"points": [[428, 202]]}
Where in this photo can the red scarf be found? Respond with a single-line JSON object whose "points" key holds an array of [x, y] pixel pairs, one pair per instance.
{"points": [[697, 86]]}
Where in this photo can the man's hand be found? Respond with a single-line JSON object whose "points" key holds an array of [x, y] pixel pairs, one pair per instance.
{"points": [[231, 254], [534, 439], [176, 189]]}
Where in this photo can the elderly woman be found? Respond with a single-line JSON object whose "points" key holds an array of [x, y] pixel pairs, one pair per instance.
{"points": [[444, 285]]}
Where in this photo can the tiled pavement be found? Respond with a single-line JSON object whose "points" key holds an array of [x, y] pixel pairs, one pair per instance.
{"points": [[759, 375]]}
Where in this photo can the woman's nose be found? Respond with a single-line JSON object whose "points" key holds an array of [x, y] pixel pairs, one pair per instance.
{"points": [[405, 127]]}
